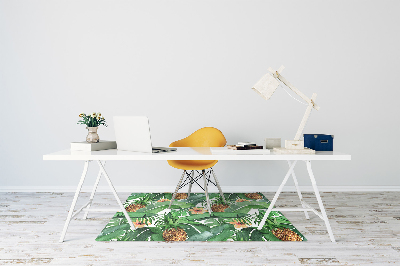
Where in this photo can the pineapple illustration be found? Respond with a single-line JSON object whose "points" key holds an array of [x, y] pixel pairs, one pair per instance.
{"points": [[255, 196], [181, 196], [219, 205], [286, 234], [278, 227], [139, 203], [169, 223]]}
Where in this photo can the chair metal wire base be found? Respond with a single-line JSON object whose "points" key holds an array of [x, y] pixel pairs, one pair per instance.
{"points": [[189, 178], [196, 177]]}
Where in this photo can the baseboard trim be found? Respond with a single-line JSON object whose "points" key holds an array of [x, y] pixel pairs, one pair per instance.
{"points": [[195, 189]]}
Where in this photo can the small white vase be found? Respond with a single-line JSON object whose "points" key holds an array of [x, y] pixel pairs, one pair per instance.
{"points": [[92, 136]]}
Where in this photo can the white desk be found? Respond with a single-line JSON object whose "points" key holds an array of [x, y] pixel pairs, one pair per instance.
{"points": [[193, 154]]}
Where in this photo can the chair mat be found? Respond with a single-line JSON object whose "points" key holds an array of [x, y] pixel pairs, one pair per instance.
{"points": [[189, 220]]}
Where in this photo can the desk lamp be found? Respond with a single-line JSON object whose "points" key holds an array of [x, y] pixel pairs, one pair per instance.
{"points": [[266, 86]]}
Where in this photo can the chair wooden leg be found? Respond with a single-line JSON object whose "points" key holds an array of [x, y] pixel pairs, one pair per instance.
{"points": [[206, 190], [191, 182], [177, 188], [218, 186]]}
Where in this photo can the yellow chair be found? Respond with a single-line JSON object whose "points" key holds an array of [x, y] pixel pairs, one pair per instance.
{"points": [[204, 137]]}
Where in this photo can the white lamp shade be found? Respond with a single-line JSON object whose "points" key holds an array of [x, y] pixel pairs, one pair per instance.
{"points": [[266, 86]]}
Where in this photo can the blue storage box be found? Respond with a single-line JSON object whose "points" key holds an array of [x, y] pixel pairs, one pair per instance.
{"points": [[318, 142]]}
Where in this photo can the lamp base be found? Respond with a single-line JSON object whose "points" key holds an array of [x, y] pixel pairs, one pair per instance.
{"points": [[294, 144], [293, 151]]}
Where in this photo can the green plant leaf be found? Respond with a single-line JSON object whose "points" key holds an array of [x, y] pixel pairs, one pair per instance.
{"points": [[231, 196], [201, 236], [194, 199], [226, 233], [129, 236], [224, 214], [210, 222], [256, 235], [157, 237], [241, 208], [192, 229], [218, 229], [243, 234], [198, 217], [115, 235], [153, 208], [270, 236], [158, 196], [261, 204], [155, 230], [144, 234], [131, 215], [112, 229]]}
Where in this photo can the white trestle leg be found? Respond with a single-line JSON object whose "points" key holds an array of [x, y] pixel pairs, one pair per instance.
{"points": [[206, 191], [93, 192], [177, 188], [276, 195], [116, 195], [299, 192], [321, 205], [71, 210]]}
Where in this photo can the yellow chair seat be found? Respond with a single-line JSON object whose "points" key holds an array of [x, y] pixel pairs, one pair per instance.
{"points": [[191, 164], [204, 137]]}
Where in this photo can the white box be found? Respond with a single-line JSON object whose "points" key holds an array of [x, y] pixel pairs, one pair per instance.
{"points": [[271, 143], [86, 146], [294, 144]]}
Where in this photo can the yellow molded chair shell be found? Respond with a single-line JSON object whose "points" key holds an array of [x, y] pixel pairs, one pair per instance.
{"points": [[204, 137]]}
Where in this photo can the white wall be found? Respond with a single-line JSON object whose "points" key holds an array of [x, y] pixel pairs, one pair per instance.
{"points": [[189, 64]]}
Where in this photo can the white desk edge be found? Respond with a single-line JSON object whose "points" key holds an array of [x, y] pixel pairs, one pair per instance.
{"points": [[203, 153]]}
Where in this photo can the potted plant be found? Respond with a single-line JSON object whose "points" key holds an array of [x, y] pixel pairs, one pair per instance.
{"points": [[92, 123]]}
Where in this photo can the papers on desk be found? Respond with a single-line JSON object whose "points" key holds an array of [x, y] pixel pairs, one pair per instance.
{"points": [[98, 146], [225, 150]]}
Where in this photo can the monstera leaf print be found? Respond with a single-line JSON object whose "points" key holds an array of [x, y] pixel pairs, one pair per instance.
{"points": [[189, 219]]}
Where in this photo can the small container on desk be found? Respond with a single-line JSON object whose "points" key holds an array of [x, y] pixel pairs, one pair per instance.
{"points": [[318, 142], [271, 143]]}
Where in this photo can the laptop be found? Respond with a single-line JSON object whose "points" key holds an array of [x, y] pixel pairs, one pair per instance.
{"points": [[133, 134]]}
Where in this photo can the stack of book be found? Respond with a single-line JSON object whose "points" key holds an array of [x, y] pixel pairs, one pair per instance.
{"points": [[245, 146], [98, 146], [240, 148]]}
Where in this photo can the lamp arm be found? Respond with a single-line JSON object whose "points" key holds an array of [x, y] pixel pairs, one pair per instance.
{"points": [[305, 117], [293, 88]]}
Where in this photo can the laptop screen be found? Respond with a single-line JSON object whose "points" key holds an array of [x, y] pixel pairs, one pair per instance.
{"points": [[132, 133]]}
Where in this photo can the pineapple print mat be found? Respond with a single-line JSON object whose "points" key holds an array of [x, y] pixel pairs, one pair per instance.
{"points": [[189, 220]]}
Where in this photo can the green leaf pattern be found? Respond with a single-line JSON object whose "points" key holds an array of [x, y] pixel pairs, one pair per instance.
{"points": [[239, 222]]}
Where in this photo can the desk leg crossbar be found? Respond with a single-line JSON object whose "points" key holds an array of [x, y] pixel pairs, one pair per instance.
{"points": [[86, 207], [305, 206]]}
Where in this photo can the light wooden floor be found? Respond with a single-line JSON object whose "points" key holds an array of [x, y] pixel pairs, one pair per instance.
{"points": [[366, 226]]}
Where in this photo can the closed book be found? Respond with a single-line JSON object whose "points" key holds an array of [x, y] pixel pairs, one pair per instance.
{"points": [[86, 146], [252, 147], [244, 144]]}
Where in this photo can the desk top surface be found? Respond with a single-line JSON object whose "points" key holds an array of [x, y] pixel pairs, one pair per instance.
{"points": [[186, 153]]}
